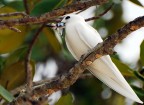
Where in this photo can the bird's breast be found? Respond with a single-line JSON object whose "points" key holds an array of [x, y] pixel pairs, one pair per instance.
{"points": [[74, 43]]}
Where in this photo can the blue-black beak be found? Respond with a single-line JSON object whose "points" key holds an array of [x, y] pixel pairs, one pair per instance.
{"points": [[60, 25]]}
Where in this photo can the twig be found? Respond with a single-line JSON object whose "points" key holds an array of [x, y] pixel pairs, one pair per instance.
{"points": [[26, 6], [86, 75], [27, 60], [81, 11], [14, 29], [97, 17], [52, 15], [88, 19], [13, 14], [102, 49], [46, 81]]}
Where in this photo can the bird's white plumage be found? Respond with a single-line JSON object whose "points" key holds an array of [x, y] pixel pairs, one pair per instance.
{"points": [[80, 37]]}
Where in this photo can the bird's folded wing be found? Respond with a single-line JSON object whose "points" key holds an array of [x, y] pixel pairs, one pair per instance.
{"points": [[88, 34]]}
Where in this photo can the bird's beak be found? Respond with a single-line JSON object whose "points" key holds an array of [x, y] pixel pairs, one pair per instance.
{"points": [[60, 25]]}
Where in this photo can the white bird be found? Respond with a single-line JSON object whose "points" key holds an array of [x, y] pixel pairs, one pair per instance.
{"points": [[81, 37]]}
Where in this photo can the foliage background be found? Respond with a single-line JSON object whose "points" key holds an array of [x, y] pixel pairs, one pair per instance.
{"points": [[51, 58]]}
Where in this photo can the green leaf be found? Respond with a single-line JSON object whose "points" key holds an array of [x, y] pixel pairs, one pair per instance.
{"points": [[138, 90], [52, 40], [136, 2], [46, 6], [2, 1], [2, 63], [11, 40], [124, 69], [139, 76], [41, 50], [65, 100], [5, 94], [1, 4], [142, 53], [15, 4], [16, 55], [14, 75]]}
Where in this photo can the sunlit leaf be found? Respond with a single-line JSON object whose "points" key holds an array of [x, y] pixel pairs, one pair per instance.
{"points": [[142, 53], [46, 6], [14, 75], [124, 69], [138, 90], [136, 2], [5, 94], [65, 100], [10, 40], [52, 39]]}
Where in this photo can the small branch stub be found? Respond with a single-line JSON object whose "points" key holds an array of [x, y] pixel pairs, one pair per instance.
{"points": [[89, 63], [134, 27], [98, 56]]}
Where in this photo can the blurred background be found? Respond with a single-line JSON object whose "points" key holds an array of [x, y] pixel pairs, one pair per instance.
{"points": [[51, 58]]}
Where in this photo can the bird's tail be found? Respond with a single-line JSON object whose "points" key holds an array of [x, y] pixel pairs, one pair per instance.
{"points": [[105, 70]]}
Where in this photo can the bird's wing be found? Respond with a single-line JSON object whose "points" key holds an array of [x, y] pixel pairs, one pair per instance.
{"points": [[88, 34], [103, 68]]}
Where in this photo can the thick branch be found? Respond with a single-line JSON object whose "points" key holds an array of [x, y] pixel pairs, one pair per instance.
{"points": [[108, 45], [53, 14], [102, 49]]}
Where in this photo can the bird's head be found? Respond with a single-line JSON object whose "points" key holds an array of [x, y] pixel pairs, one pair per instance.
{"points": [[72, 18]]}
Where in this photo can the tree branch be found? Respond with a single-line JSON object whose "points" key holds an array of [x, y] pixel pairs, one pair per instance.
{"points": [[102, 49], [13, 14], [108, 45], [26, 6], [88, 19], [51, 15], [97, 17], [29, 79]]}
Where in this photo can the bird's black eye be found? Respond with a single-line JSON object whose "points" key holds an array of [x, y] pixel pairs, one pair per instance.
{"points": [[67, 17]]}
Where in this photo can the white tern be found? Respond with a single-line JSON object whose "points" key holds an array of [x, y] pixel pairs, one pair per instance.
{"points": [[81, 37]]}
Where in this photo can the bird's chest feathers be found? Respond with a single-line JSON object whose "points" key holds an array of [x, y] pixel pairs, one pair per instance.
{"points": [[73, 41], [71, 33]]}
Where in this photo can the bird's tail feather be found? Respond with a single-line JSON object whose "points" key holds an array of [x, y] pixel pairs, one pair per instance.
{"points": [[104, 69]]}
